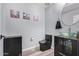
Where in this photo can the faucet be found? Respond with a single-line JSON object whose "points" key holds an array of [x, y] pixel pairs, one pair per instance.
{"points": [[69, 32]]}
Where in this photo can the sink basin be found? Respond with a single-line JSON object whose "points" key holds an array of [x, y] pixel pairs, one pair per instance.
{"points": [[65, 34], [69, 35]]}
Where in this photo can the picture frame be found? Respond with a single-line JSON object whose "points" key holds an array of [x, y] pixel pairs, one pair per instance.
{"points": [[26, 16], [14, 14]]}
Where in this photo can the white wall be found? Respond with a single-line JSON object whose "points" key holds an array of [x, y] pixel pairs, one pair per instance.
{"points": [[1, 41], [0, 18], [52, 14], [27, 28], [68, 17]]}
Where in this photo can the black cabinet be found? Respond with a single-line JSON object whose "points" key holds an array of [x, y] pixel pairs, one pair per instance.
{"points": [[12, 46], [66, 46]]}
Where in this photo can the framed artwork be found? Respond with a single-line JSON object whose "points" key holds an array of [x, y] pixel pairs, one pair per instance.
{"points": [[14, 14], [35, 18], [26, 16]]}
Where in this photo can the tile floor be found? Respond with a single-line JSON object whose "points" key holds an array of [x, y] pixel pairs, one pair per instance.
{"points": [[49, 52]]}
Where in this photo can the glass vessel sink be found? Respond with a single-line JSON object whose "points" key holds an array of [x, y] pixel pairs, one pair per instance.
{"points": [[69, 35]]}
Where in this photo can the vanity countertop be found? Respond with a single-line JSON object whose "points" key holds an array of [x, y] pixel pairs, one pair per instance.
{"points": [[72, 38]]}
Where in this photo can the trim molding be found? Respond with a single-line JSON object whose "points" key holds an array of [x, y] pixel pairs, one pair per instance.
{"points": [[33, 48]]}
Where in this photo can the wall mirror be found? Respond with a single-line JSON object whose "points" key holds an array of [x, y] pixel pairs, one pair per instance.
{"points": [[70, 13]]}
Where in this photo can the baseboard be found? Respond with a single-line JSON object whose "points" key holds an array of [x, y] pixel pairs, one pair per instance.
{"points": [[31, 48], [52, 47]]}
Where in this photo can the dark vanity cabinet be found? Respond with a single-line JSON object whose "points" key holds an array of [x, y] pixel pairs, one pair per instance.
{"points": [[12, 46], [66, 46]]}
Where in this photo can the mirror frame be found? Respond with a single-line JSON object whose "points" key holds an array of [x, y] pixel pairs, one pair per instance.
{"points": [[62, 16]]}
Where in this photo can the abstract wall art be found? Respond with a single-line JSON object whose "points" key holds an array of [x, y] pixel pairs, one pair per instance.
{"points": [[14, 14], [35, 18], [26, 16]]}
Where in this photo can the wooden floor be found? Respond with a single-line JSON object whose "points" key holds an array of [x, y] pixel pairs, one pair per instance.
{"points": [[49, 52]]}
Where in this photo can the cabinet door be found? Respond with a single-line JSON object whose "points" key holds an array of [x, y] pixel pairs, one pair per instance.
{"points": [[68, 47], [1, 47], [74, 47], [78, 47], [55, 45], [13, 46], [59, 45]]}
